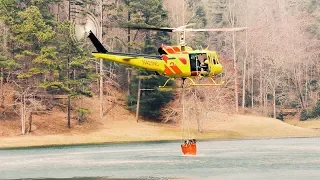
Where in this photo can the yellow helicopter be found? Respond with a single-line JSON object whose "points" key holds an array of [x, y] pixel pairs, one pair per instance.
{"points": [[173, 61]]}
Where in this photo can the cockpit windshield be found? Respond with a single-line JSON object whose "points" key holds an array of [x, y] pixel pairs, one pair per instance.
{"points": [[213, 58]]}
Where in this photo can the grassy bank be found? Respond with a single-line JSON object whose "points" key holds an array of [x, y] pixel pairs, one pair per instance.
{"points": [[228, 127]]}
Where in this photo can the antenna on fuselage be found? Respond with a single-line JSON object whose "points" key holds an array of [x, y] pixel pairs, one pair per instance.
{"points": [[183, 40]]}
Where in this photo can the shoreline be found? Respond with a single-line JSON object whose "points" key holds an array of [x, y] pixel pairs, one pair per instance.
{"points": [[236, 127], [148, 141]]}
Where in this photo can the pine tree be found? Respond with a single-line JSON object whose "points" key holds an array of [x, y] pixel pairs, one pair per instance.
{"points": [[35, 52], [149, 13], [313, 10], [200, 20], [39, 47]]}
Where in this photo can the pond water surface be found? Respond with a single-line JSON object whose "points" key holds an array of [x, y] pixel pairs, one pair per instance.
{"points": [[294, 158]]}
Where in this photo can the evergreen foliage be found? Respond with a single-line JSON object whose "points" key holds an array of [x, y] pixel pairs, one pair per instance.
{"points": [[314, 113], [280, 116], [316, 110], [151, 101], [33, 42], [80, 69], [147, 13], [200, 20], [313, 10], [304, 115], [39, 48]]}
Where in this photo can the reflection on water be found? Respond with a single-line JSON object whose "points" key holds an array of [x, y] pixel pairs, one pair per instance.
{"points": [[297, 158], [96, 178]]}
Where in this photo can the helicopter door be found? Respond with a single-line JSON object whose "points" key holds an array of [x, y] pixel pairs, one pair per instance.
{"points": [[193, 62], [197, 62]]}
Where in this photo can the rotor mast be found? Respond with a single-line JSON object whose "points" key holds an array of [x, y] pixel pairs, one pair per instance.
{"points": [[183, 40], [183, 33]]}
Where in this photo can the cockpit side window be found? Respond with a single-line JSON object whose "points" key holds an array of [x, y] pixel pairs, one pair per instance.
{"points": [[193, 57], [193, 62], [215, 61], [161, 51]]}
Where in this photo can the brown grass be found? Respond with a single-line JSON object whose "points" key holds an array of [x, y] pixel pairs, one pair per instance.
{"points": [[119, 125], [310, 124]]}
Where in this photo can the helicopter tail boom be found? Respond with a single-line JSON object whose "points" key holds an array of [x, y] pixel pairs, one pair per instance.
{"points": [[97, 44], [149, 62]]}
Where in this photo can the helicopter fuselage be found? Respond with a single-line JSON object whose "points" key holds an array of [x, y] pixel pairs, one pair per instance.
{"points": [[173, 61], [176, 65]]}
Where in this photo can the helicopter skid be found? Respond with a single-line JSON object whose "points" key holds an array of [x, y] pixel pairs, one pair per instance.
{"points": [[205, 84], [190, 84]]}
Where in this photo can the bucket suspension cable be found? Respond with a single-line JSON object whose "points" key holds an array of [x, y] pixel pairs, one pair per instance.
{"points": [[189, 146], [183, 115]]}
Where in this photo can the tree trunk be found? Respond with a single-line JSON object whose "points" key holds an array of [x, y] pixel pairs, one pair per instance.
{"points": [[299, 87], [30, 122], [69, 103], [23, 114], [69, 112], [245, 64], [101, 62], [265, 96], [274, 102], [261, 86], [306, 86], [236, 72], [129, 31], [129, 80], [68, 75], [1, 89], [101, 89], [244, 73], [252, 81], [97, 71], [5, 51], [138, 100]]}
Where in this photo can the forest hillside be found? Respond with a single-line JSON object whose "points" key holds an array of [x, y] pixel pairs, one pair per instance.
{"points": [[51, 84]]}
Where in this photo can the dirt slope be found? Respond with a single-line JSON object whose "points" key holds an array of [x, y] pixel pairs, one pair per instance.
{"points": [[255, 126], [120, 125]]}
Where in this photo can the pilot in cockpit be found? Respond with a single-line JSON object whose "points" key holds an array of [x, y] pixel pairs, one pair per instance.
{"points": [[202, 58]]}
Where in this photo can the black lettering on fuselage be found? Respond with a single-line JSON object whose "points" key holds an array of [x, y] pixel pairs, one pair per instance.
{"points": [[150, 62]]}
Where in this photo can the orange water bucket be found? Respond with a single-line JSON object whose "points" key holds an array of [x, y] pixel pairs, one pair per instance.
{"points": [[189, 149]]}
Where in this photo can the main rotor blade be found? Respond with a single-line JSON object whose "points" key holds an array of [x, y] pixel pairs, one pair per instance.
{"points": [[166, 29], [153, 28], [183, 28], [215, 29]]}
